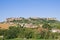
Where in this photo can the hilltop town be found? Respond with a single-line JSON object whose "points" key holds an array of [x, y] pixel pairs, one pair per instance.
{"points": [[31, 22]]}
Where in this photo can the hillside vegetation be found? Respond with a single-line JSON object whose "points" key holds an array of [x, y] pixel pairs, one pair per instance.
{"points": [[30, 28]]}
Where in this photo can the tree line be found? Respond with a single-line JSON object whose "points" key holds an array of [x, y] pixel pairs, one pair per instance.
{"points": [[22, 32]]}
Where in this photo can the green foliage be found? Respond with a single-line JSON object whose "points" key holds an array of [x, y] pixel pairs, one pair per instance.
{"points": [[28, 33], [47, 26], [12, 32], [1, 32]]}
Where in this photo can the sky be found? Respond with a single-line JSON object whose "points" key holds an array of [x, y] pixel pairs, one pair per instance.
{"points": [[29, 8]]}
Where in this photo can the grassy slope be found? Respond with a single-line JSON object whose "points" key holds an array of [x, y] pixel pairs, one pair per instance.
{"points": [[31, 39]]}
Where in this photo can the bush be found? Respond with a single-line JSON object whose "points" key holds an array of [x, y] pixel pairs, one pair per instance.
{"points": [[12, 32]]}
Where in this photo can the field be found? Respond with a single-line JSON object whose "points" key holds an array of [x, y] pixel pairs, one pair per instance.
{"points": [[6, 25], [28, 39]]}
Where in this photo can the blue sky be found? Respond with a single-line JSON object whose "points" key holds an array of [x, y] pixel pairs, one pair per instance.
{"points": [[29, 8]]}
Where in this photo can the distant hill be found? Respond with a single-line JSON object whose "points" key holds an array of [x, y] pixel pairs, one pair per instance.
{"points": [[31, 22]]}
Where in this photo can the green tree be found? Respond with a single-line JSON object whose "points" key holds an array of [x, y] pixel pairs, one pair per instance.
{"points": [[47, 26], [12, 32]]}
